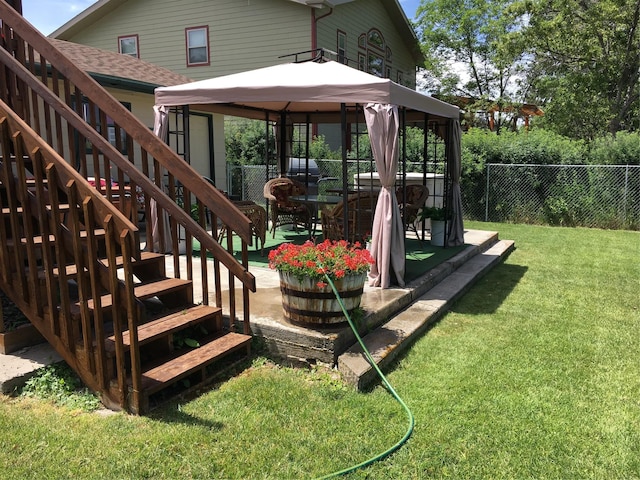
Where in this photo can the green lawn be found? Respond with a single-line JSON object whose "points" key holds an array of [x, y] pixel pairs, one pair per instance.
{"points": [[535, 374]]}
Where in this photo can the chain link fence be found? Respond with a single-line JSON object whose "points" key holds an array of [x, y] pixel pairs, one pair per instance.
{"points": [[602, 196], [246, 182]]}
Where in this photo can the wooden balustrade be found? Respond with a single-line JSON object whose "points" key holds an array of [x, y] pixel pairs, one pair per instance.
{"points": [[56, 124]]}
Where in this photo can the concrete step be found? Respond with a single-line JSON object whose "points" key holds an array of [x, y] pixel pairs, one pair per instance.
{"points": [[388, 340]]}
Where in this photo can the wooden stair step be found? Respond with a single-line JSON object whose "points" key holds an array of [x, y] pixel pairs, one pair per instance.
{"points": [[38, 239], [145, 257], [31, 182], [144, 291], [64, 207], [157, 378], [166, 325]]}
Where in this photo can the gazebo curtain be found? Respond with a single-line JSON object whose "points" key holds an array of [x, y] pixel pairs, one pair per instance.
{"points": [[161, 129], [455, 235], [387, 236]]}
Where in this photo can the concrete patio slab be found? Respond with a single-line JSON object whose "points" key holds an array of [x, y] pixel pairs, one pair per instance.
{"points": [[386, 342], [392, 317]]}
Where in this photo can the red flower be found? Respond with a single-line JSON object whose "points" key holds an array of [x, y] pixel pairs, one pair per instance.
{"points": [[337, 259]]}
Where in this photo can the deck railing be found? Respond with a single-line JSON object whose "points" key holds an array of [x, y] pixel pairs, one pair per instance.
{"points": [[51, 218], [76, 116], [69, 118]]}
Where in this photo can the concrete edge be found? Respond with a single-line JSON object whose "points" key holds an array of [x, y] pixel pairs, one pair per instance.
{"points": [[390, 339]]}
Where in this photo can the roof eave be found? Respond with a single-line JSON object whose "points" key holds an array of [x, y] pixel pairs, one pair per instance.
{"points": [[86, 17], [124, 83], [404, 25]]}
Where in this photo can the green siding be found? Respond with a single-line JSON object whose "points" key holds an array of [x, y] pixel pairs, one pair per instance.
{"points": [[359, 17], [243, 34]]}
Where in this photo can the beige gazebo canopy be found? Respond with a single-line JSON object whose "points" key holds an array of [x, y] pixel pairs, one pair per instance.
{"points": [[327, 92], [299, 88]]}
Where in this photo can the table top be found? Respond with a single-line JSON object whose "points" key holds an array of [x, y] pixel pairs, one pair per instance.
{"points": [[339, 191], [317, 199]]}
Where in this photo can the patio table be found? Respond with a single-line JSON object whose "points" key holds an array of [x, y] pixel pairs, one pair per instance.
{"points": [[316, 201]]}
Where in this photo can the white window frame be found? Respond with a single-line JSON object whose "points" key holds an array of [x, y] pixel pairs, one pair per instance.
{"points": [[124, 38], [341, 47], [190, 47]]}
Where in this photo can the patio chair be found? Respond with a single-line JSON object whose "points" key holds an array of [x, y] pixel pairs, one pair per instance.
{"points": [[258, 217], [410, 202], [282, 210], [360, 209]]}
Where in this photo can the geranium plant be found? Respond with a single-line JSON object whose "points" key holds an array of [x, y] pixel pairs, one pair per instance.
{"points": [[309, 260]]}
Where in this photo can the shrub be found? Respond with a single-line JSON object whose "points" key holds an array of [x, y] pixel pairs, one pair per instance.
{"points": [[621, 149], [246, 142]]}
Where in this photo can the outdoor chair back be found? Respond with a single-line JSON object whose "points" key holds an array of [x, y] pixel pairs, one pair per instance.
{"points": [[284, 211], [410, 200], [360, 209]]}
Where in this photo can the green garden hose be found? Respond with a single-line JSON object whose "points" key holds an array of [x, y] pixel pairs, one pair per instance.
{"points": [[389, 388]]}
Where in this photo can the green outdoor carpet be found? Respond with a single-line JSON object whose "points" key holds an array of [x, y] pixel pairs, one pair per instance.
{"points": [[421, 256]]}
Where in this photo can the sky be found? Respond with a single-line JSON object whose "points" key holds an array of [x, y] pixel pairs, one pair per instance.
{"points": [[48, 15]]}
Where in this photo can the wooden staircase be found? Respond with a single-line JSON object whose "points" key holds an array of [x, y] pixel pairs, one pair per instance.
{"points": [[71, 256]]}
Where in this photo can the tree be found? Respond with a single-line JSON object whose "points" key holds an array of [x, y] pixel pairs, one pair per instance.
{"points": [[578, 59], [473, 34], [587, 63], [246, 141]]}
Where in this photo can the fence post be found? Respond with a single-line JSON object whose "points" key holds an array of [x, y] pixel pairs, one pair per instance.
{"points": [[486, 197], [624, 197]]}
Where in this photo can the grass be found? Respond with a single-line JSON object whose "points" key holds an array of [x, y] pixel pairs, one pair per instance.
{"points": [[533, 374]]}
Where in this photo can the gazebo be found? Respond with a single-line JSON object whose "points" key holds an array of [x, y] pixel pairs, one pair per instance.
{"points": [[329, 92]]}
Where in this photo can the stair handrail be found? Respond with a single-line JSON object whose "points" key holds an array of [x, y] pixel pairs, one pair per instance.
{"points": [[105, 215], [67, 174], [214, 200]]}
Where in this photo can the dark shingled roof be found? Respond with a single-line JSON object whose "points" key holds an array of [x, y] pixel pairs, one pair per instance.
{"points": [[105, 64]]}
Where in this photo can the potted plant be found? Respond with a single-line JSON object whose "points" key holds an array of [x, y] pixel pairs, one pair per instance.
{"points": [[307, 297], [438, 217]]}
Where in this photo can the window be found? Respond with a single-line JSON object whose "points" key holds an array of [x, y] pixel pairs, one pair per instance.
{"points": [[197, 46], [374, 56], [112, 128], [128, 45], [342, 47], [374, 39], [362, 62], [375, 64]]}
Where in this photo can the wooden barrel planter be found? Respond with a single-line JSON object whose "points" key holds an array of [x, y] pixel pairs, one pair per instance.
{"points": [[306, 303]]}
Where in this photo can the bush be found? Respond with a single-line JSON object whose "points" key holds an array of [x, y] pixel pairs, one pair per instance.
{"points": [[318, 149], [557, 196], [621, 149], [537, 147]]}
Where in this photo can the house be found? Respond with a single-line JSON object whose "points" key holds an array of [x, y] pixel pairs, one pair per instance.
{"points": [[495, 115], [132, 81], [232, 36]]}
